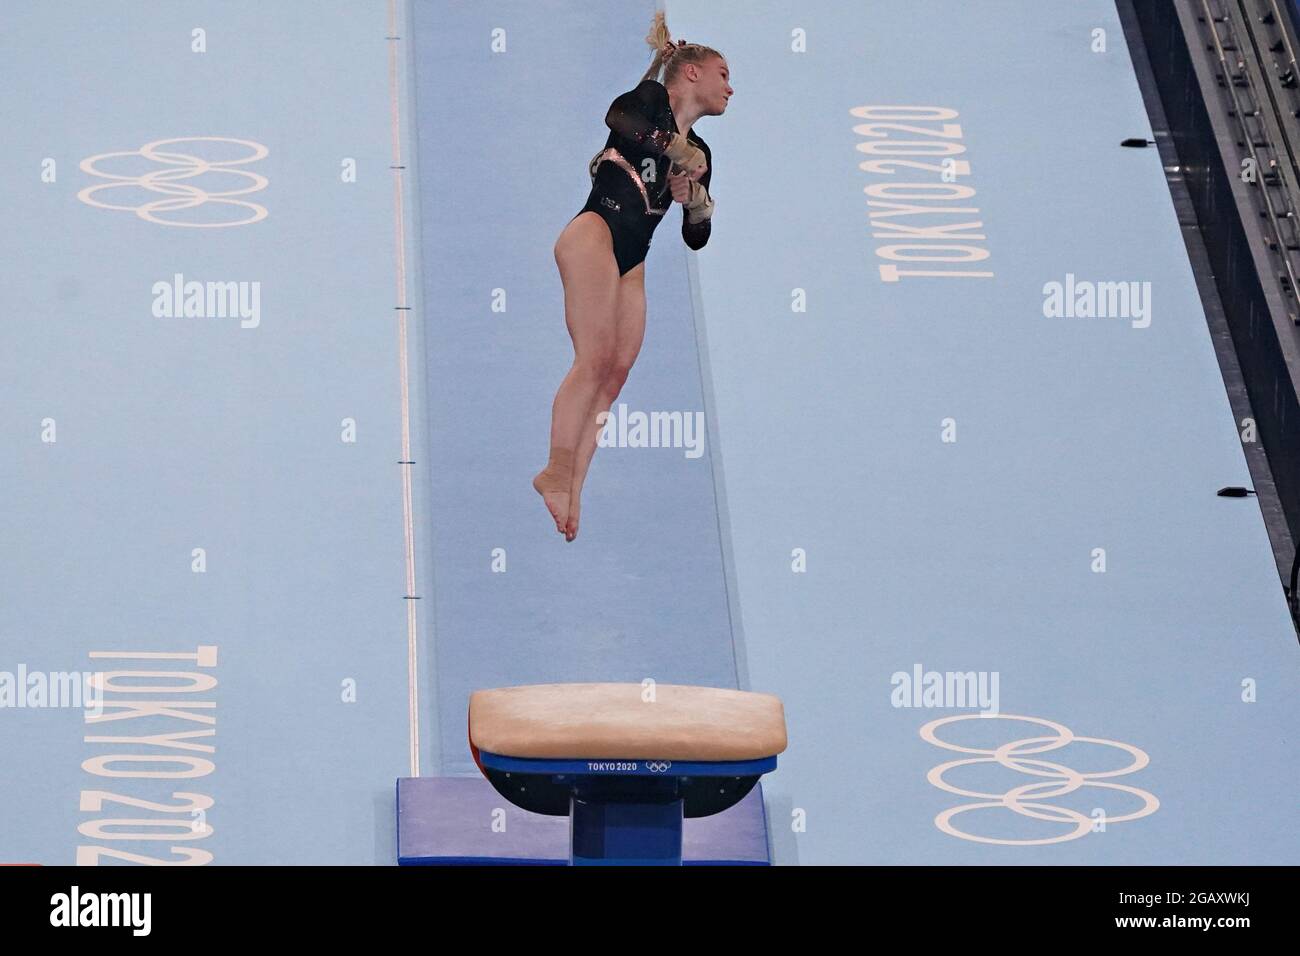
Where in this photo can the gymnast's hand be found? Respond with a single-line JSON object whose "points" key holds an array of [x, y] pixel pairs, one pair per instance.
{"points": [[680, 185]]}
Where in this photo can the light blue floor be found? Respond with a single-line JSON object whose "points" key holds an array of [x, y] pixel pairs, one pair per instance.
{"points": [[824, 432], [1073, 434], [183, 433]]}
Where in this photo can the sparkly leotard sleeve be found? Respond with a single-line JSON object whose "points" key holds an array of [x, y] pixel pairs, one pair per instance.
{"points": [[696, 235], [630, 175], [632, 117]]}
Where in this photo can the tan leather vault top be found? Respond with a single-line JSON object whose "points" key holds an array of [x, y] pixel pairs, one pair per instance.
{"points": [[613, 720]]}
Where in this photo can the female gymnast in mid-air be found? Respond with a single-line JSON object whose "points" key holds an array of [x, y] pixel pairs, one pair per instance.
{"points": [[651, 159]]}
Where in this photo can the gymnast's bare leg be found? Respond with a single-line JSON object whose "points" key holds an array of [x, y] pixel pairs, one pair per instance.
{"points": [[584, 254], [629, 333]]}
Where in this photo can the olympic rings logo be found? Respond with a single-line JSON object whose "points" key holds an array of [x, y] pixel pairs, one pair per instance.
{"points": [[658, 766], [1064, 780], [166, 181]]}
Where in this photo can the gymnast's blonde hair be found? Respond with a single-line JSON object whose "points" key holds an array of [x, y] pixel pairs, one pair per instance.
{"points": [[672, 56]]}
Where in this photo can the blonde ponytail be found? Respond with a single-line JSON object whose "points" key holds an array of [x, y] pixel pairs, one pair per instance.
{"points": [[657, 38], [660, 40]]}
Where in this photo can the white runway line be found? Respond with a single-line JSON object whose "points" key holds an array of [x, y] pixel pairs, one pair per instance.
{"points": [[408, 526]]}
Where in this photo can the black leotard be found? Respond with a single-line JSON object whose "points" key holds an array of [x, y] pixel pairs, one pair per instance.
{"points": [[630, 187]]}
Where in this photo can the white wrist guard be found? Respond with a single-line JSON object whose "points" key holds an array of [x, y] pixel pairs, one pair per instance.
{"points": [[683, 154], [699, 207]]}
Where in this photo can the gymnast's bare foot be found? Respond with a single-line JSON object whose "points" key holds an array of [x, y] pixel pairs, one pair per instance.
{"points": [[557, 502], [575, 509], [553, 484]]}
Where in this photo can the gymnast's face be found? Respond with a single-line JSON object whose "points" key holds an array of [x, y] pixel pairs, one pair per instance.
{"points": [[715, 87]]}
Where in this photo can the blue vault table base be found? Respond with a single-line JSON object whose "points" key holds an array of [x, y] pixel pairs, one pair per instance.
{"points": [[464, 820]]}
